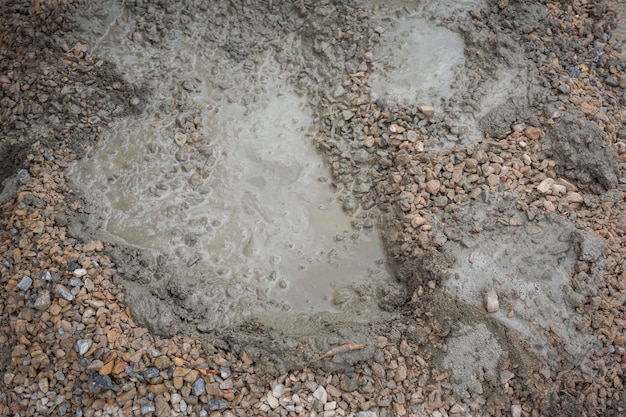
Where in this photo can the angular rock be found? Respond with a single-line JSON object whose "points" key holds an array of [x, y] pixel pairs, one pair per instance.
{"points": [[491, 301]]}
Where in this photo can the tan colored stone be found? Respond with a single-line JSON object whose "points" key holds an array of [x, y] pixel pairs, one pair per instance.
{"points": [[432, 186], [112, 336], [493, 180], [394, 128], [95, 245], [568, 185], [574, 197], [588, 108], [180, 371], [191, 376], [106, 369], [428, 111], [545, 186], [549, 206], [417, 221], [119, 367], [534, 133]]}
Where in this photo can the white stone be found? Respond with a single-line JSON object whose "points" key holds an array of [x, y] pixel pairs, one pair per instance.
{"points": [[491, 301], [278, 390], [321, 394], [559, 189], [80, 272], [272, 401], [545, 185], [516, 410]]}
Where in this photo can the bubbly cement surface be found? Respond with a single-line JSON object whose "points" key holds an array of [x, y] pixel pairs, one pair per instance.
{"points": [[241, 204]]}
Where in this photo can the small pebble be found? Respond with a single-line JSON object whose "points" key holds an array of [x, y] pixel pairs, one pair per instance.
{"points": [[199, 387], [25, 283]]}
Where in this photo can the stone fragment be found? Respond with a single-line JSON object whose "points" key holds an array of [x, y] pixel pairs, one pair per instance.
{"points": [[151, 372], [148, 408], [94, 245], [417, 221], [226, 384], [394, 128], [43, 385], [401, 373], [347, 115], [199, 387], [321, 394], [80, 272], [103, 381], [191, 376], [180, 138], [399, 409], [588, 108], [25, 283], [534, 133], [549, 206], [43, 301], [516, 410], [568, 185], [162, 407], [82, 346], [558, 189], [432, 186], [278, 390], [574, 197], [491, 301], [428, 111], [412, 136], [272, 401], [64, 293], [218, 404], [493, 180], [106, 369], [545, 186]]}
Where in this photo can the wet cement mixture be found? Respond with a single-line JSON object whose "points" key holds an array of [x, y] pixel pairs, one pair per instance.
{"points": [[312, 208]]}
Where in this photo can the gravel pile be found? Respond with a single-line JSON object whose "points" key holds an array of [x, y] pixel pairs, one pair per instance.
{"points": [[69, 344]]}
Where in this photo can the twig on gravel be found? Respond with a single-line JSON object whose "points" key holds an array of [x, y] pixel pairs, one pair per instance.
{"points": [[346, 347]]}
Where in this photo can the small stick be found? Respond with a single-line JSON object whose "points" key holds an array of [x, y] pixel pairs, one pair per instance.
{"points": [[346, 347]]}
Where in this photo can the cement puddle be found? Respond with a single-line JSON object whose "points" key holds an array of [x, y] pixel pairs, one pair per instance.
{"points": [[528, 268], [227, 185], [422, 61]]}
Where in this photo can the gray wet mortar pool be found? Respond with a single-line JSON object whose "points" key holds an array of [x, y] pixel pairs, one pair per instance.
{"points": [[212, 81], [240, 204], [216, 209]]}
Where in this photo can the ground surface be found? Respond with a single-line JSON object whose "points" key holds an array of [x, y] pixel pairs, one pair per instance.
{"points": [[508, 251]]}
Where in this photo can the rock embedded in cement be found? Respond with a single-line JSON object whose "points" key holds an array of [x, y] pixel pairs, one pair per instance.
{"points": [[427, 111], [491, 301], [582, 148]]}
